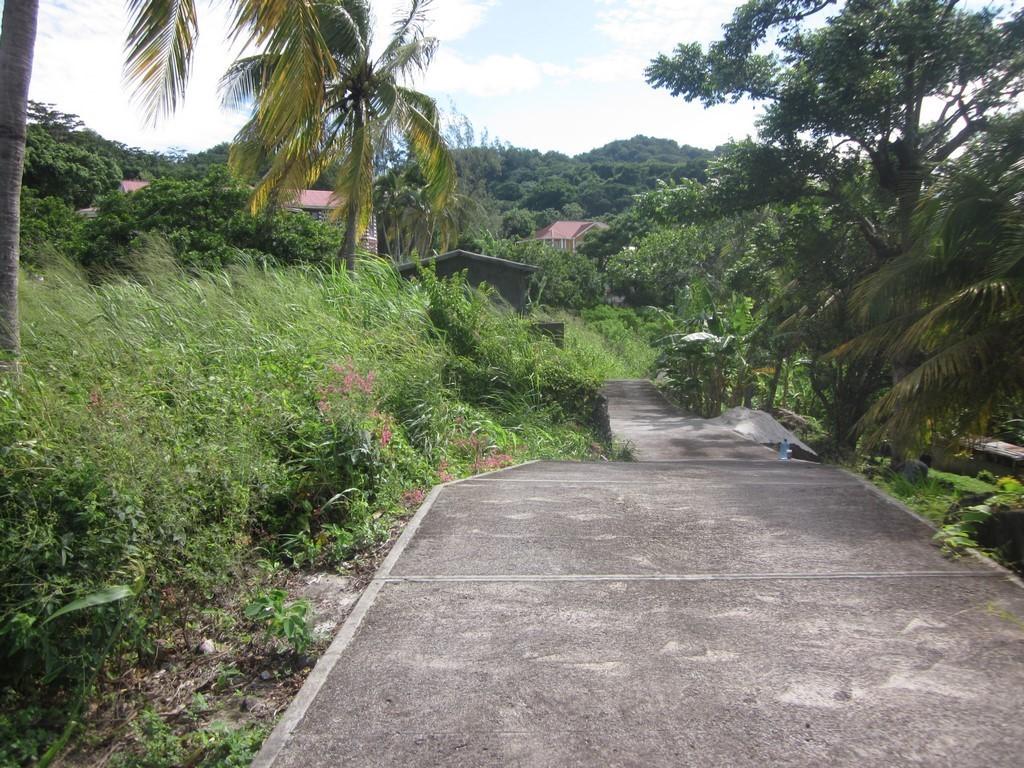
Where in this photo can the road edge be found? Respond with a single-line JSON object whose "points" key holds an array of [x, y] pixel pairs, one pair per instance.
{"points": [[296, 711], [988, 562]]}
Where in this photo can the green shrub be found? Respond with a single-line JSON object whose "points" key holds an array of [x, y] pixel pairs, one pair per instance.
{"points": [[207, 224]]}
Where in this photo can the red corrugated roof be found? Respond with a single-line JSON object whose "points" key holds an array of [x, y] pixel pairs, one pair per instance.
{"points": [[566, 230], [317, 198], [133, 185]]}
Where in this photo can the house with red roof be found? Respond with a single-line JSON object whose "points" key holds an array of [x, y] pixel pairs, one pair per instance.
{"points": [[320, 203], [566, 235]]}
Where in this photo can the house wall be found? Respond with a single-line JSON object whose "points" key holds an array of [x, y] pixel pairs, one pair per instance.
{"points": [[511, 284]]}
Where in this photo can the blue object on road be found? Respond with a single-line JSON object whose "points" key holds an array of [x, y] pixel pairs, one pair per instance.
{"points": [[784, 449]]}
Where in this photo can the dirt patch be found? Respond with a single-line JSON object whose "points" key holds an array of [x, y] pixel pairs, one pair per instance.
{"points": [[215, 671]]}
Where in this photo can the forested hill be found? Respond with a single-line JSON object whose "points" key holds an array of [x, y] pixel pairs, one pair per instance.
{"points": [[527, 188], [506, 191]]}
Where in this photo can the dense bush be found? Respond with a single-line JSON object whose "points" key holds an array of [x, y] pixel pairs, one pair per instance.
{"points": [[566, 280], [614, 342], [66, 170], [166, 426], [207, 223], [49, 228]]}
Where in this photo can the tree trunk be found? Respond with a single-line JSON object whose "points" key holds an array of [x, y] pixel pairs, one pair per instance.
{"points": [[769, 402], [17, 42], [348, 250]]}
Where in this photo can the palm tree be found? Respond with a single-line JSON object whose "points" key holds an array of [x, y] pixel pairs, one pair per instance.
{"points": [[17, 43], [953, 304], [408, 222], [361, 104]]}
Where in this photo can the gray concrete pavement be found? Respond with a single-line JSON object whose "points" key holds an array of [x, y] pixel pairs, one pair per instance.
{"points": [[729, 611], [641, 416]]}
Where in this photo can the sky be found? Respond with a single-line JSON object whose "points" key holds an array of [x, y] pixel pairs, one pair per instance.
{"points": [[563, 75]]}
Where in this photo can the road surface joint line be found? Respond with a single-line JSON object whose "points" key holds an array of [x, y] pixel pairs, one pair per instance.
{"points": [[689, 577]]}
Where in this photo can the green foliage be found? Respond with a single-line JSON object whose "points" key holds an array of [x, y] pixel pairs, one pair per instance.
{"points": [[615, 342], [134, 163], [950, 311], [206, 224], [164, 426], [50, 230], [159, 747], [933, 496], [963, 530], [217, 746], [65, 170], [566, 279], [495, 357], [708, 356], [23, 732], [661, 265], [283, 621], [528, 189]]}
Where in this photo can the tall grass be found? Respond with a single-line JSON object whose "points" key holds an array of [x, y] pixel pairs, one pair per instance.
{"points": [[166, 426], [614, 343]]}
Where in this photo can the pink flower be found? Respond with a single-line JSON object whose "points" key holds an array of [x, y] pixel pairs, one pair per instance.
{"points": [[413, 498], [385, 437]]}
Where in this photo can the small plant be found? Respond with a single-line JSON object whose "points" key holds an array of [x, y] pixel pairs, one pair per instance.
{"points": [[300, 547], [958, 536], [283, 621], [159, 747]]}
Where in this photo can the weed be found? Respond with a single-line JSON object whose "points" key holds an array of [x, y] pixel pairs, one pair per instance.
{"points": [[283, 621], [158, 746]]}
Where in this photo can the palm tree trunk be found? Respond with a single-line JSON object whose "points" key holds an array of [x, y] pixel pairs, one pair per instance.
{"points": [[348, 250], [17, 42]]}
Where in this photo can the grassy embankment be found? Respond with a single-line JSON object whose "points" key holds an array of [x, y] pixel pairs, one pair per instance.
{"points": [[174, 440]]}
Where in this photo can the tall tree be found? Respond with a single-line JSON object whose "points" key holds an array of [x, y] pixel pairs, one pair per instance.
{"points": [[855, 85], [361, 104], [954, 303], [17, 43]]}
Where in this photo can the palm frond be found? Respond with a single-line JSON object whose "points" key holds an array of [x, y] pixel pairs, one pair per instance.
{"points": [[290, 31], [161, 41], [354, 186], [243, 81], [408, 26], [421, 126]]}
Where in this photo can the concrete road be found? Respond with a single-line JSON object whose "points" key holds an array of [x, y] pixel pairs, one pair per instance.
{"points": [[656, 431], [727, 611]]}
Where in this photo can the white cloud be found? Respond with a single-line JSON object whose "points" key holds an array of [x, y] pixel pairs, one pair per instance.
{"points": [[615, 67], [78, 66], [652, 26], [448, 20], [454, 19], [492, 76]]}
